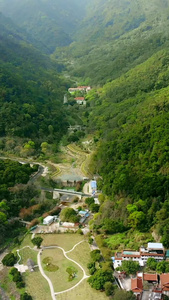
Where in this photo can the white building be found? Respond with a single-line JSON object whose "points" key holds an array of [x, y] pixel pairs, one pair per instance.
{"points": [[48, 220], [154, 250]]}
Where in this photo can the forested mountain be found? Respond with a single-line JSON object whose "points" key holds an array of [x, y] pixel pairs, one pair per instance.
{"points": [[115, 36], [31, 91], [130, 119], [51, 23]]}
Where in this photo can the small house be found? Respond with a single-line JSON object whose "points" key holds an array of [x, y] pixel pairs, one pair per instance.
{"points": [[48, 220], [80, 100], [137, 286]]}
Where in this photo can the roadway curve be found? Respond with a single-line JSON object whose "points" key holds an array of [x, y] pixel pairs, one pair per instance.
{"points": [[41, 170]]}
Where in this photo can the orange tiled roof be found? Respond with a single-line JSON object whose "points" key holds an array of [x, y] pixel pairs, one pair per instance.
{"points": [[137, 285], [164, 278], [150, 277], [79, 98]]}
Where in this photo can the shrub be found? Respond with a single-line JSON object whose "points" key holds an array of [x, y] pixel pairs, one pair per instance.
{"points": [[9, 259]]}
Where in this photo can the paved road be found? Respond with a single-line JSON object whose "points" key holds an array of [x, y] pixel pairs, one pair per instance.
{"points": [[44, 275]]}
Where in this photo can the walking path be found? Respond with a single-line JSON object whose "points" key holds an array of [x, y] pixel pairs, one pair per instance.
{"points": [[53, 294]]}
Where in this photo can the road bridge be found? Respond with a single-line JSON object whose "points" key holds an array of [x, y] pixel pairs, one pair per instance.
{"points": [[67, 192]]}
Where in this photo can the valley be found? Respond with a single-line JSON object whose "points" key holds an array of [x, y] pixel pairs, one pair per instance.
{"points": [[84, 149]]}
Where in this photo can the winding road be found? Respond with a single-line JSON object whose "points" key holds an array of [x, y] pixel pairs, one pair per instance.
{"points": [[53, 294]]}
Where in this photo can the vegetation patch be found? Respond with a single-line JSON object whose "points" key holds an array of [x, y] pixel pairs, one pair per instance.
{"points": [[50, 267], [72, 273], [130, 239]]}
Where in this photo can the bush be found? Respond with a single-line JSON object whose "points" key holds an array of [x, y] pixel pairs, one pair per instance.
{"points": [[25, 296], [99, 279], [9, 260], [20, 284], [17, 277], [95, 255], [13, 271], [109, 288], [37, 241]]}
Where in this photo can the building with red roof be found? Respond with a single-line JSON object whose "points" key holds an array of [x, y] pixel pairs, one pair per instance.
{"points": [[137, 285], [80, 100], [150, 277], [164, 278]]}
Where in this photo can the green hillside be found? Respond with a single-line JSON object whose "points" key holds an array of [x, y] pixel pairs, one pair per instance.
{"points": [[130, 118], [115, 36], [51, 23], [31, 91]]}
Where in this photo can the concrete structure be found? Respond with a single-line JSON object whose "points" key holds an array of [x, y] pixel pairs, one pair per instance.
{"points": [[154, 250], [68, 225], [65, 199], [48, 220], [79, 89]]}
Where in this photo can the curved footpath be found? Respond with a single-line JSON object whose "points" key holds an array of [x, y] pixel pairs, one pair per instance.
{"points": [[53, 294]]}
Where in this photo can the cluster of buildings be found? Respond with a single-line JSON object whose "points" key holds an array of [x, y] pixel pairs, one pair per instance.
{"points": [[158, 284], [83, 90], [154, 250]]}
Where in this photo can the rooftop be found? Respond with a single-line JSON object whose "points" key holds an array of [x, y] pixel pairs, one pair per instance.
{"points": [[137, 284], [93, 184], [150, 277], [164, 278], [130, 252], [79, 98], [48, 218], [156, 246]]}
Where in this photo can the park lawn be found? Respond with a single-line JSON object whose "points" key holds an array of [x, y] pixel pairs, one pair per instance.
{"points": [[64, 240], [26, 254], [36, 285], [26, 242], [81, 254], [60, 278], [81, 292]]}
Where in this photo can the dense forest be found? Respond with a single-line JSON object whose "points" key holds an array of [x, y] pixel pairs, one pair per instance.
{"points": [[14, 194], [121, 49], [31, 91], [114, 37], [129, 117]]}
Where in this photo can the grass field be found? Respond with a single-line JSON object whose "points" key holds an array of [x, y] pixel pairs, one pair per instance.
{"points": [[37, 286], [81, 254], [66, 240], [83, 291], [60, 278], [26, 242], [27, 253]]}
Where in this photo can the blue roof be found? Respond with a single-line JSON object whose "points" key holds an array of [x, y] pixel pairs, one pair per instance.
{"points": [[82, 212], [93, 184]]}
